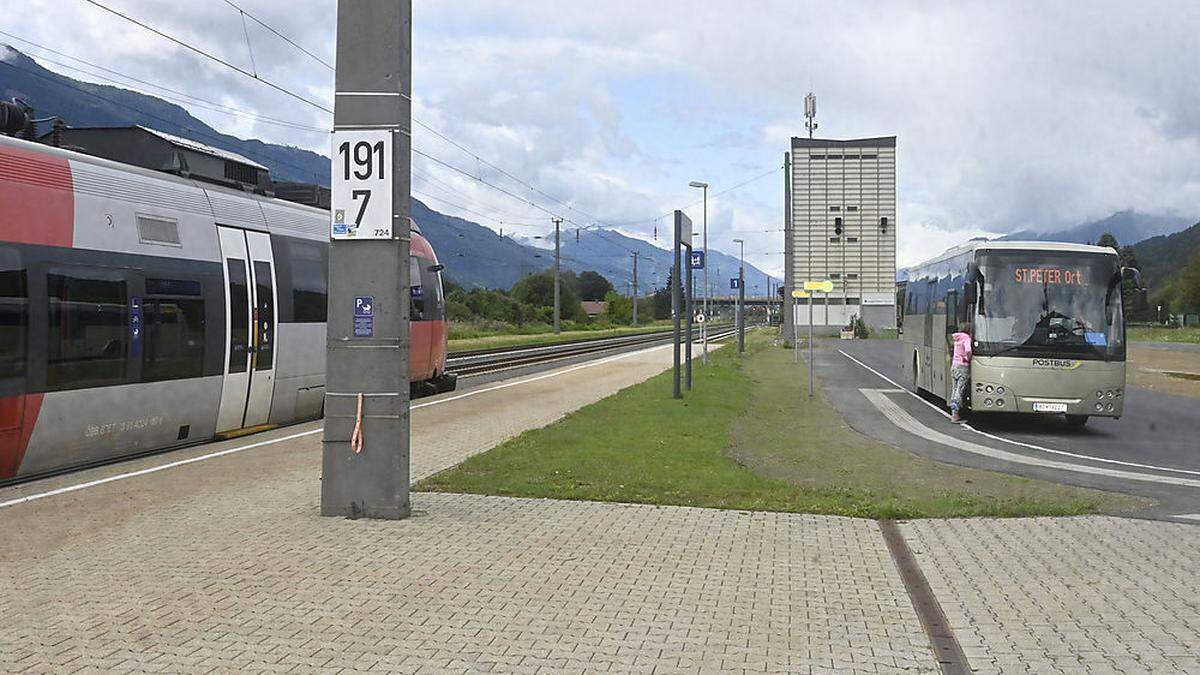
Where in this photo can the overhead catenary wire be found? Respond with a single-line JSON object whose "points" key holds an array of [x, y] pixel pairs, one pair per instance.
{"points": [[172, 94], [171, 124], [210, 56]]}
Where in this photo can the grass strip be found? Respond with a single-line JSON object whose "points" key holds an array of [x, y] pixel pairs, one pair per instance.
{"points": [[510, 340], [744, 438], [1144, 334]]}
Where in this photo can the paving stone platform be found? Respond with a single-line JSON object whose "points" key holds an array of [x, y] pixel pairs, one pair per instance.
{"points": [[225, 565]]}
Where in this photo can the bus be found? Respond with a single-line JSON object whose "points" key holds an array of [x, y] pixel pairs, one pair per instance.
{"points": [[1047, 325]]}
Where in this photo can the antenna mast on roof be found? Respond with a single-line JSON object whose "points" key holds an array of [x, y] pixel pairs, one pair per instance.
{"points": [[810, 112]]}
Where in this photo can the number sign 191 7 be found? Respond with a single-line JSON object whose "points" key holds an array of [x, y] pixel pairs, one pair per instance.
{"points": [[362, 190]]}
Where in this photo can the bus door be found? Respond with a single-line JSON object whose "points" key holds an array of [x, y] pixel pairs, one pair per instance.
{"points": [[250, 320], [951, 328], [926, 374]]}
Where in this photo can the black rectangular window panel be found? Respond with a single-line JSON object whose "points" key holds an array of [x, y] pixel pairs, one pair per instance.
{"points": [[835, 208], [88, 332], [239, 309], [851, 208], [851, 276], [835, 275], [817, 157], [833, 156], [851, 240], [14, 315], [264, 315], [301, 267], [431, 287], [416, 291], [173, 342], [870, 156], [835, 240]]}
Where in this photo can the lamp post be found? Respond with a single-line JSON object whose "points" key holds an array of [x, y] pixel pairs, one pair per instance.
{"points": [[741, 310], [704, 228]]}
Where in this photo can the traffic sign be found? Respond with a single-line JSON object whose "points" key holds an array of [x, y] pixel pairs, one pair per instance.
{"points": [[697, 260], [362, 185], [700, 317], [733, 283], [797, 293], [823, 286]]}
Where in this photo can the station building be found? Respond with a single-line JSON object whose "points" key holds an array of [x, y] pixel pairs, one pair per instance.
{"points": [[840, 213]]}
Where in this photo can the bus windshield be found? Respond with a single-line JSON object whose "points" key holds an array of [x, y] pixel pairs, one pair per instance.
{"points": [[1050, 303]]}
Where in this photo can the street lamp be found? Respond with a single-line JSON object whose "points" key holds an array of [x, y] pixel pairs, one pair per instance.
{"points": [[704, 326]]}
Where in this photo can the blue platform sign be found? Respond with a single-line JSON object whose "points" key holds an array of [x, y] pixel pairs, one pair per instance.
{"points": [[364, 316], [733, 283], [697, 260]]}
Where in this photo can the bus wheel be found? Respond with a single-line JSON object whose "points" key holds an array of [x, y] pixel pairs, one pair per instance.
{"points": [[1076, 421]]}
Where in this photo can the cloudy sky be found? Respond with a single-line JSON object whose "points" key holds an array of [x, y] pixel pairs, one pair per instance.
{"points": [[1010, 115]]}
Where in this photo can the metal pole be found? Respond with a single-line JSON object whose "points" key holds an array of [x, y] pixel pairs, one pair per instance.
{"points": [[557, 263], [635, 288], [687, 380], [811, 365], [704, 326], [795, 345], [741, 310], [789, 263], [365, 443], [677, 302]]}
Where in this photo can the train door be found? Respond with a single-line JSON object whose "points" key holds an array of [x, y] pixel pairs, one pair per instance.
{"points": [[251, 315]]}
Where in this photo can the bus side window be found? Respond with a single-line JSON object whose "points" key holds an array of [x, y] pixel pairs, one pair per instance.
{"points": [[951, 312]]}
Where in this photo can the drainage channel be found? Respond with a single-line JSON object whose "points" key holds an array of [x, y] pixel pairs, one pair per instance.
{"points": [[946, 649]]}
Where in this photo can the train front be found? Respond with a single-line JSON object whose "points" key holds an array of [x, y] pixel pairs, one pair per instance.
{"points": [[1049, 331]]}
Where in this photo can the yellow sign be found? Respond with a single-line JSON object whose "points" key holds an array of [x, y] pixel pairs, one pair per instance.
{"points": [[799, 293], [823, 286]]}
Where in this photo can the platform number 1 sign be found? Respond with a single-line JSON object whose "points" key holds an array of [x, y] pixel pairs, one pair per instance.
{"points": [[362, 188]]}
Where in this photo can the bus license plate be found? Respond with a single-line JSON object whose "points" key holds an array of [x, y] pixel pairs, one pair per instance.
{"points": [[1049, 407]]}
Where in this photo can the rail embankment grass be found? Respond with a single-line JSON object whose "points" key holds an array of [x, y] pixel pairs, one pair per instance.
{"points": [[463, 338], [746, 438]]}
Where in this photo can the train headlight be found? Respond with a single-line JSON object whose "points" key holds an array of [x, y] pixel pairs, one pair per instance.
{"points": [[1099, 394], [1000, 390], [1109, 394], [1099, 407], [1118, 393], [1110, 407], [988, 389], [987, 402], [1000, 402]]}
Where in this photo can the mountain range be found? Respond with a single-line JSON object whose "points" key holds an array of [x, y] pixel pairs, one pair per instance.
{"points": [[474, 255], [1129, 227]]}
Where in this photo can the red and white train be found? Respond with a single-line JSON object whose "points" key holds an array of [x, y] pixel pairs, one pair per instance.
{"points": [[141, 310]]}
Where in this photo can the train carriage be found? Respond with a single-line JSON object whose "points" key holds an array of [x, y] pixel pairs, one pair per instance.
{"points": [[141, 310]]}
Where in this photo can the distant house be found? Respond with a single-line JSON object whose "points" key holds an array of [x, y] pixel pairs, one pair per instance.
{"points": [[594, 307]]}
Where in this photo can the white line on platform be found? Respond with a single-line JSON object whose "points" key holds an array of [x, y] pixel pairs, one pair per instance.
{"points": [[902, 419], [1031, 446], [272, 441], [1188, 516]]}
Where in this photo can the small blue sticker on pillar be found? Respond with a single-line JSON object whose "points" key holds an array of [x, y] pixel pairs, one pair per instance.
{"points": [[364, 316], [135, 326]]}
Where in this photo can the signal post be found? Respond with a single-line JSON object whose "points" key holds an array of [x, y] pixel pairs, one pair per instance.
{"points": [[365, 455]]}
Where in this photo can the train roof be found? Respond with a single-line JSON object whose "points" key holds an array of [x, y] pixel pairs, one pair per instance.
{"points": [[76, 156], [1006, 245]]}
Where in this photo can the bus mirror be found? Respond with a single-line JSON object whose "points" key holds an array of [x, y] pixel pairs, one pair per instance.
{"points": [[1134, 274], [437, 268]]}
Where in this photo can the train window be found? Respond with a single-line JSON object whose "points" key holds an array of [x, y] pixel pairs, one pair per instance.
{"points": [[87, 340], [416, 307], [173, 347], [162, 231], [301, 266], [14, 314], [264, 294], [239, 308]]}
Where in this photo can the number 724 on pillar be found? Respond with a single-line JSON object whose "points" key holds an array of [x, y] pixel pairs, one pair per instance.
{"points": [[361, 203]]}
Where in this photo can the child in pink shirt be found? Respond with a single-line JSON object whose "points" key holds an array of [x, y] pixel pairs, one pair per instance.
{"points": [[960, 370]]}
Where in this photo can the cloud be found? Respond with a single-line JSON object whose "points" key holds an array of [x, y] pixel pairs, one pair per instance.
{"points": [[1015, 115]]}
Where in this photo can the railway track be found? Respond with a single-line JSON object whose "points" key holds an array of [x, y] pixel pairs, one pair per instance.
{"points": [[483, 361]]}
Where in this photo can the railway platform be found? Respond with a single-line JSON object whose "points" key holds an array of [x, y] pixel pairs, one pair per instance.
{"points": [[214, 559]]}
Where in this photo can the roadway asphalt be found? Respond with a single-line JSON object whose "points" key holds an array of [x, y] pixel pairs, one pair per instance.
{"points": [[1153, 450]]}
